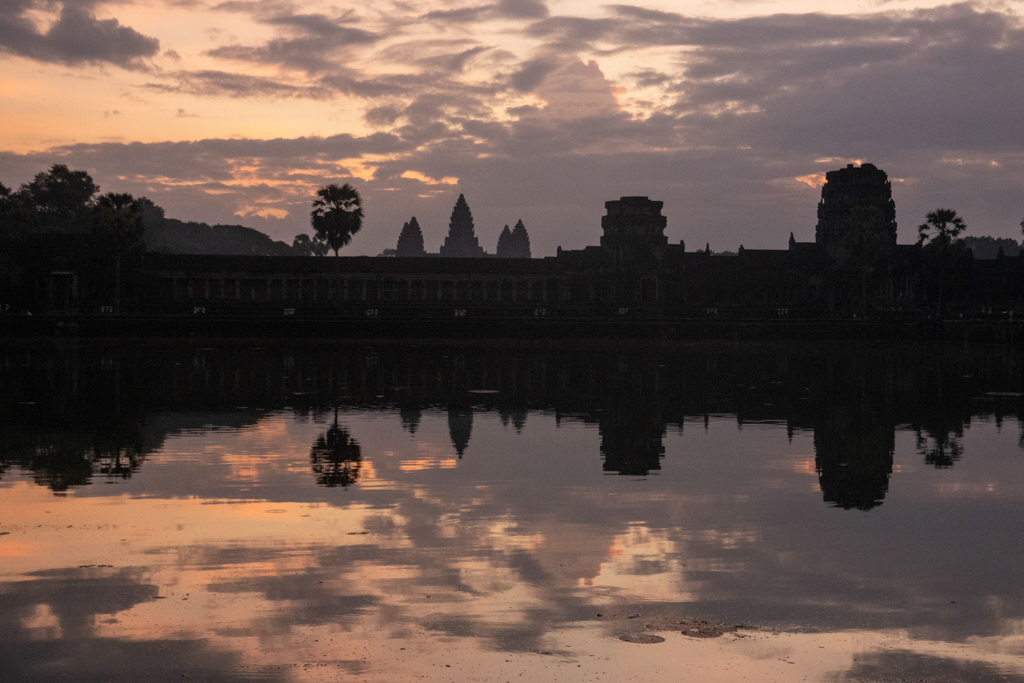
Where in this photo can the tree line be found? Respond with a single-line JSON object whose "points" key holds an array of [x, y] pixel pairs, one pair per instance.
{"points": [[62, 201]]}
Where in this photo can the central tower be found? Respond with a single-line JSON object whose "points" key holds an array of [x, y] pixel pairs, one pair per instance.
{"points": [[865, 188], [461, 241], [634, 230]]}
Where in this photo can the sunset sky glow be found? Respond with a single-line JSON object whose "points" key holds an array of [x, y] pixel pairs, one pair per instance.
{"points": [[729, 112]]}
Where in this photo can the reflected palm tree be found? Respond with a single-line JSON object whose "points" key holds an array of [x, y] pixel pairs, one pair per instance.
{"points": [[940, 448], [336, 457]]}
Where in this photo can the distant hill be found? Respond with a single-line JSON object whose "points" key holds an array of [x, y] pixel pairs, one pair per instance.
{"points": [[171, 236], [985, 247]]}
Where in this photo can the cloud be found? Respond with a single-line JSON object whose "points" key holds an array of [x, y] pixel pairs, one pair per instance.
{"points": [[578, 90], [455, 63], [522, 9], [383, 115], [313, 40], [938, 78], [531, 73], [571, 34], [225, 84], [416, 175], [460, 15], [725, 126], [76, 38]]}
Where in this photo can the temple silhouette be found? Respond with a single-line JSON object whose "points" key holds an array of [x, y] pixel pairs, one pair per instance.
{"points": [[846, 190], [461, 241], [633, 274]]}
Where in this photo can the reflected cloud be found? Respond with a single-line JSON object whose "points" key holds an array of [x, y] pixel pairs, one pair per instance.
{"points": [[232, 523], [908, 665]]}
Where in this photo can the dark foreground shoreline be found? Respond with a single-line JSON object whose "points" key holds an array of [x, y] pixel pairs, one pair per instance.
{"points": [[521, 329]]}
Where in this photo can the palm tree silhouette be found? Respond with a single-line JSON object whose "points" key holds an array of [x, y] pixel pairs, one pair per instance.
{"points": [[941, 230], [337, 215]]}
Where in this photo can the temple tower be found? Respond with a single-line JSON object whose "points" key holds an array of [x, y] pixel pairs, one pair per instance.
{"points": [[410, 241], [461, 241], [504, 249], [634, 230], [850, 188], [520, 241], [514, 243]]}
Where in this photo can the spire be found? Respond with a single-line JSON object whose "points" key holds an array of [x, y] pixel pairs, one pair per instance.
{"points": [[707, 248], [410, 241], [461, 240], [792, 241], [520, 241], [505, 243]]}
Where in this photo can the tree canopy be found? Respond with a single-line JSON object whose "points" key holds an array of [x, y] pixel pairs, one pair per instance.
{"points": [[60, 198], [118, 219], [940, 235], [337, 215], [302, 245], [941, 229]]}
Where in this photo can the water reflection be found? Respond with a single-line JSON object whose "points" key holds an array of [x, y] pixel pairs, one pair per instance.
{"points": [[81, 411], [62, 456], [853, 455], [460, 427], [477, 525], [336, 457]]}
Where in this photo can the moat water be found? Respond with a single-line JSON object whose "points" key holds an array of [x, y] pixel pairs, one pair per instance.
{"points": [[312, 512]]}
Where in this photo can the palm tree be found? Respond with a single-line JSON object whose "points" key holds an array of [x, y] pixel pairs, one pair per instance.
{"points": [[941, 230], [337, 215], [117, 218]]}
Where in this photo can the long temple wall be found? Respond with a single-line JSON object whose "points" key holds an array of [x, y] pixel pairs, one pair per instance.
{"points": [[634, 273]]}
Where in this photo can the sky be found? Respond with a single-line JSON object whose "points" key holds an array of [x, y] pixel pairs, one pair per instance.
{"points": [[236, 111]]}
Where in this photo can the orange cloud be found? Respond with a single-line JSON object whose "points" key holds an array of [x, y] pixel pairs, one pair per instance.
{"points": [[813, 180], [423, 178]]}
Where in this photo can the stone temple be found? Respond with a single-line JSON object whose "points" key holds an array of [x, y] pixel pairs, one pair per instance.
{"points": [[634, 274], [514, 243], [410, 241], [461, 241], [634, 230], [846, 189]]}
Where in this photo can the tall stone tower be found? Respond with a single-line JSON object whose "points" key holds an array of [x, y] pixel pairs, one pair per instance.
{"points": [[461, 241], [514, 243], [504, 244], [634, 230], [410, 241], [849, 188], [520, 241]]}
